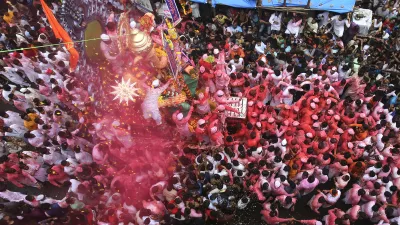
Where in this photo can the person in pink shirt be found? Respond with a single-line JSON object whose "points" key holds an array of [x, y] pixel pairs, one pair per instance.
{"points": [[271, 217], [308, 185], [182, 122]]}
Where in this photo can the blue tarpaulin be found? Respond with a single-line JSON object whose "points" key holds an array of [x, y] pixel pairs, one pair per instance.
{"points": [[237, 3], [199, 1], [296, 3], [279, 3], [342, 6], [339, 6], [272, 3]]}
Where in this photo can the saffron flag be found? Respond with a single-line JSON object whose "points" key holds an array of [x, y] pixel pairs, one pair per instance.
{"points": [[60, 33]]}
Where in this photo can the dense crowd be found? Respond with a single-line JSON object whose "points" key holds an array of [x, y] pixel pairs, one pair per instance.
{"points": [[322, 106]]}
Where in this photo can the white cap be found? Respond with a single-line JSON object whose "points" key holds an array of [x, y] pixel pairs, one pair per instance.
{"points": [[329, 101], [295, 123], [330, 112], [316, 124], [309, 135], [313, 105], [258, 124], [351, 131], [284, 142], [214, 130], [105, 37], [132, 24], [340, 130], [271, 120], [362, 145], [220, 93], [315, 100], [250, 103], [179, 116], [362, 115], [334, 68], [201, 122], [216, 51], [314, 117], [336, 117], [155, 83]]}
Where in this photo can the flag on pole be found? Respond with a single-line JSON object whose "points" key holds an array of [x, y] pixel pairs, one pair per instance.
{"points": [[59, 32]]}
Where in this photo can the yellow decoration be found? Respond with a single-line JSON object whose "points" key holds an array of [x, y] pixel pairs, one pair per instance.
{"points": [[172, 101]]}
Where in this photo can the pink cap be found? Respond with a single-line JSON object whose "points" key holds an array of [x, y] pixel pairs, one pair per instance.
{"points": [[362, 115], [259, 105], [313, 105], [336, 117], [340, 130], [221, 108], [314, 117], [351, 131], [271, 120], [220, 93], [330, 112], [263, 117], [315, 100], [250, 103], [235, 47], [202, 69], [296, 108], [326, 94], [316, 125], [254, 114], [287, 107], [295, 123], [286, 123], [309, 135], [210, 46], [329, 101], [380, 110], [323, 135], [258, 124]]}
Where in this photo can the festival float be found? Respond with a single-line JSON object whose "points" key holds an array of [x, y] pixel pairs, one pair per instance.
{"points": [[156, 56]]}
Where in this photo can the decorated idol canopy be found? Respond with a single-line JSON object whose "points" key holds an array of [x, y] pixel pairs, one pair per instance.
{"points": [[338, 6]]}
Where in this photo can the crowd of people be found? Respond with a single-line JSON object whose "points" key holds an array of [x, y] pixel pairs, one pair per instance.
{"points": [[322, 106]]}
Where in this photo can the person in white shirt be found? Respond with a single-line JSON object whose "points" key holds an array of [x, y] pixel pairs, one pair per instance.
{"points": [[234, 28], [260, 47], [10, 118], [338, 25], [195, 10], [238, 63], [15, 130], [276, 22], [293, 26], [82, 156], [323, 19]]}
